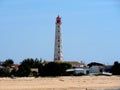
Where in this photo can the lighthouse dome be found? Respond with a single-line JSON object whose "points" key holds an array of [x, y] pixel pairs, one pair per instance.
{"points": [[58, 17], [58, 20]]}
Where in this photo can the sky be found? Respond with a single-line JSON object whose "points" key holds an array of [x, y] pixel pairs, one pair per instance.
{"points": [[90, 30]]}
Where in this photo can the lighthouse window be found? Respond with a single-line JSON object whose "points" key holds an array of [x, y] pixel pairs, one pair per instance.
{"points": [[58, 26], [58, 46], [58, 58], [58, 51], [58, 40]]}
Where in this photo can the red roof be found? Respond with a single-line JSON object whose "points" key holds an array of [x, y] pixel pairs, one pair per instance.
{"points": [[16, 65], [58, 20], [58, 17]]}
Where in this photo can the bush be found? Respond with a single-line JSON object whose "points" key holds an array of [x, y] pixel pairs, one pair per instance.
{"points": [[27, 64], [55, 69], [116, 68]]}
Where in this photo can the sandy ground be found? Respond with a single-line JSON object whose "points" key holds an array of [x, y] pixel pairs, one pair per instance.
{"points": [[60, 83]]}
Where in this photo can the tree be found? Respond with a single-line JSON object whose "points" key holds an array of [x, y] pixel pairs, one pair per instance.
{"points": [[4, 72], [27, 64], [24, 70], [95, 63], [55, 69], [64, 67], [13, 72], [116, 68], [8, 62]]}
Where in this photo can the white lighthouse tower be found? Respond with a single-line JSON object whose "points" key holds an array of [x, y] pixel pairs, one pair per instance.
{"points": [[58, 41]]}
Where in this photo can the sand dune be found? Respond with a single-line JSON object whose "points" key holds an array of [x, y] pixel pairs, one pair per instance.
{"points": [[60, 83]]}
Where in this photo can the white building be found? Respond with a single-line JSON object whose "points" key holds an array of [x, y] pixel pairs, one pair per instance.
{"points": [[96, 69], [77, 71]]}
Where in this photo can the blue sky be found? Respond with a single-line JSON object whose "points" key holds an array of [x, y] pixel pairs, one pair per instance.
{"points": [[90, 29]]}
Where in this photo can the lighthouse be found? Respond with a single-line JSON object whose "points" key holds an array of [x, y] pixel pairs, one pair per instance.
{"points": [[58, 57]]}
